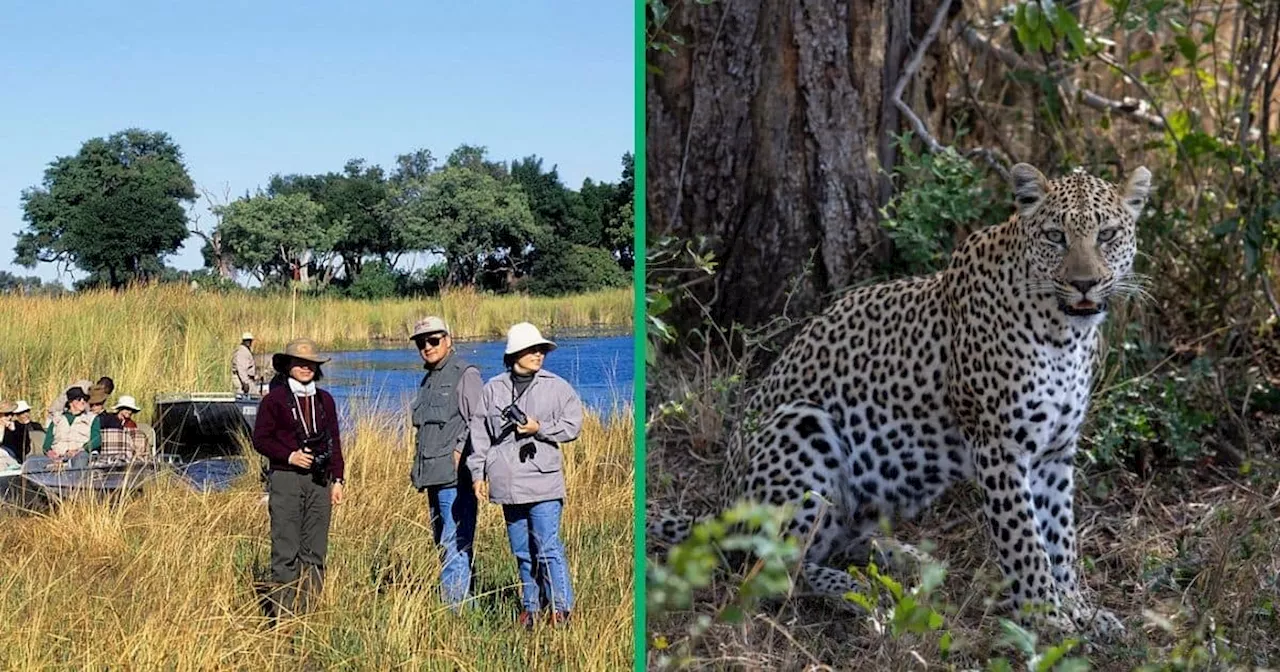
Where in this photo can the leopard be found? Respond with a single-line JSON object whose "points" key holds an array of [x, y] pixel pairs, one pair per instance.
{"points": [[978, 373]]}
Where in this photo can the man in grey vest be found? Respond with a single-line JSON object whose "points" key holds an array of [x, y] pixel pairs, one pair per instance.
{"points": [[447, 397]]}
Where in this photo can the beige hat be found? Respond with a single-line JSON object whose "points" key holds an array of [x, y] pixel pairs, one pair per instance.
{"points": [[97, 395], [7, 407], [128, 402], [523, 336], [246, 336], [21, 407], [299, 348], [429, 325]]}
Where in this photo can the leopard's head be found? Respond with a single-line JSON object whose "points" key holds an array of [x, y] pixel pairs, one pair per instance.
{"points": [[1081, 236]]}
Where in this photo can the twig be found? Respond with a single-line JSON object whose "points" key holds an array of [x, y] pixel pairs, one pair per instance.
{"points": [[1089, 98], [908, 72]]}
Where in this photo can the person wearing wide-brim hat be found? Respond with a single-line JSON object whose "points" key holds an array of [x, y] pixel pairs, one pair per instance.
{"points": [[526, 414], [297, 431], [17, 429], [121, 415]]}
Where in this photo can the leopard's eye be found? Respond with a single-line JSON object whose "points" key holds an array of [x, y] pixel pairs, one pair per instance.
{"points": [[1055, 236], [1106, 235]]}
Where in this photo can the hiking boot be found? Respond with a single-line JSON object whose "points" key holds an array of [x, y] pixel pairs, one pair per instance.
{"points": [[525, 620], [561, 619]]}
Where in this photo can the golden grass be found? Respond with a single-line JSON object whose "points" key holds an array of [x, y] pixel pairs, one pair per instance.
{"points": [[168, 338], [165, 579]]}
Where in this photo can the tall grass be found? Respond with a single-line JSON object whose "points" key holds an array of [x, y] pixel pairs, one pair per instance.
{"points": [[166, 578], [169, 338]]}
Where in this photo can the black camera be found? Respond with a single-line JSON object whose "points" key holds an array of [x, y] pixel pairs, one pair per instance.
{"points": [[320, 448], [514, 415]]}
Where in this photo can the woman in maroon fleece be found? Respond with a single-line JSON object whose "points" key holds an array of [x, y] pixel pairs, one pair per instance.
{"points": [[297, 430]]}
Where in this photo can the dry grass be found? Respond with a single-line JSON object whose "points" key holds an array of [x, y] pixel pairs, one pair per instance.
{"points": [[166, 578]]}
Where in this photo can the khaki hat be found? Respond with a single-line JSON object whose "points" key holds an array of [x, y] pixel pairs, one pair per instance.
{"points": [[128, 402], [523, 336], [246, 336], [97, 395], [21, 407], [429, 325], [299, 348], [7, 407]]}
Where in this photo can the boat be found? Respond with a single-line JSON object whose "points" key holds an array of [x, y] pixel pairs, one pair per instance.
{"points": [[207, 431]]}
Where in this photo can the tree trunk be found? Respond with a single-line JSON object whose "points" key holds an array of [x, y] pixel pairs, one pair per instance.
{"points": [[763, 132]]}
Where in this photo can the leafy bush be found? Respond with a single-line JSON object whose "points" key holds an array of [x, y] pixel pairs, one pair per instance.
{"points": [[377, 280], [937, 196], [572, 269]]}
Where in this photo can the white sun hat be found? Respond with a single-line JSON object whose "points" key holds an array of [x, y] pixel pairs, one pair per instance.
{"points": [[246, 336], [128, 402], [523, 336], [22, 407]]}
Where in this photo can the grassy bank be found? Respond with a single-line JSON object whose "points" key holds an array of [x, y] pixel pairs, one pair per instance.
{"points": [[168, 338], [166, 578]]}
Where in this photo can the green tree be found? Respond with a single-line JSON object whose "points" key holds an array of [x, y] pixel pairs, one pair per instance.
{"points": [[471, 217], [619, 234], [354, 199], [114, 209], [566, 268], [278, 237], [549, 200]]}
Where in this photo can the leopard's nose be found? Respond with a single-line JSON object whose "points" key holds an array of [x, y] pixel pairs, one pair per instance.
{"points": [[1083, 285]]}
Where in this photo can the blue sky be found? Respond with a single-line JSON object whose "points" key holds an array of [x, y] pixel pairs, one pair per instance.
{"points": [[249, 89]]}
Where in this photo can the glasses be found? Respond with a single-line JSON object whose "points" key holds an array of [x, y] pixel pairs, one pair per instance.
{"points": [[432, 341]]}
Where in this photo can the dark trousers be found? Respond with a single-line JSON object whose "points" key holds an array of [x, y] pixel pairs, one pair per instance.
{"points": [[300, 508]]}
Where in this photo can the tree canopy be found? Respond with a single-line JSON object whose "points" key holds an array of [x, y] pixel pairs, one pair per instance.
{"points": [[114, 209]]}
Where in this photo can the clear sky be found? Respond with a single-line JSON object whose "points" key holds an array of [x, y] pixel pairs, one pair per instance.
{"points": [[248, 89]]}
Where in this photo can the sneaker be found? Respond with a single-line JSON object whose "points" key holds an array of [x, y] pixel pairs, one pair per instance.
{"points": [[525, 620]]}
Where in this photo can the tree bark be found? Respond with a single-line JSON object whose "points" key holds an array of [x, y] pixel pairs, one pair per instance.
{"points": [[763, 132]]}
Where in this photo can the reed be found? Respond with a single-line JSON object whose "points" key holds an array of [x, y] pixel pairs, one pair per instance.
{"points": [[169, 338], [166, 578]]}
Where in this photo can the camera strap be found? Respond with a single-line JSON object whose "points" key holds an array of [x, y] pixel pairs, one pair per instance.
{"points": [[299, 416]]}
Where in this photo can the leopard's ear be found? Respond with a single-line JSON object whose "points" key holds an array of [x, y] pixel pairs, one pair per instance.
{"points": [[1029, 188], [1136, 190]]}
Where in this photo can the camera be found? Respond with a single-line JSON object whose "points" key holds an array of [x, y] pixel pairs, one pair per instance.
{"points": [[319, 447], [514, 415]]}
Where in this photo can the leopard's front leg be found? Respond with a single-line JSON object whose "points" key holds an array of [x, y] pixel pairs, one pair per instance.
{"points": [[1003, 470], [1052, 490]]}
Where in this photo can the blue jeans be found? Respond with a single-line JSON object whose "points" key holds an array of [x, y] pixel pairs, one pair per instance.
{"points": [[453, 524], [42, 462], [534, 533]]}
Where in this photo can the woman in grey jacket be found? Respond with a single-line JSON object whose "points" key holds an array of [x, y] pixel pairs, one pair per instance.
{"points": [[525, 414]]}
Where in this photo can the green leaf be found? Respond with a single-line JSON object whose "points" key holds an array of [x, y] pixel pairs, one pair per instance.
{"points": [[1067, 21], [1032, 16], [1018, 637], [1179, 124], [732, 614], [1227, 226], [1188, 47]]}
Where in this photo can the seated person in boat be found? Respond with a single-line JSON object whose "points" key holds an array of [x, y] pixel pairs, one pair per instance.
{"points": [[98, 400], [121, 436], [17, 429], [71, 436]]}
